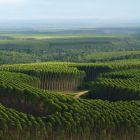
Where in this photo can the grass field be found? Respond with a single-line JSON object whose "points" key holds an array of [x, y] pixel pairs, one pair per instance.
{"points": [[64, 36], [40, 47]]}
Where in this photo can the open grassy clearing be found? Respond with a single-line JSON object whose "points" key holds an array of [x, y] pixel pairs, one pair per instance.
{"points": [[63, 36]]}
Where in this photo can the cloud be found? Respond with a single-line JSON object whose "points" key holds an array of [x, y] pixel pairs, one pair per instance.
{"points": [[45, 9], [10, 2]]}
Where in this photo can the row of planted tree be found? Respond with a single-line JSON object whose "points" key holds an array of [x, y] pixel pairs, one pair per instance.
{"points": [[52, 77], [115, 86], [56, 117], [62, 76]]}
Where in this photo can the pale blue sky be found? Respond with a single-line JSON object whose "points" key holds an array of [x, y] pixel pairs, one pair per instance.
{"points": [[69, 9]]}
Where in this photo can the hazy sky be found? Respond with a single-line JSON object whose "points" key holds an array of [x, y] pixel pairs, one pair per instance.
{"points": [[67, 9]]}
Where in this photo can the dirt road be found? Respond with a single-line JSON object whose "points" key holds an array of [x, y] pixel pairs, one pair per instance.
{"points": [[80, 94]]}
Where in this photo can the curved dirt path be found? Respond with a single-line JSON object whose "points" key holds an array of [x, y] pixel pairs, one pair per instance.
{"points": [[80, 94]]}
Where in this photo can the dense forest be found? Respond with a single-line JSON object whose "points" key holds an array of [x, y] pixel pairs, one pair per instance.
{"points": [[69, 69], [65, 86], [53, 114]]}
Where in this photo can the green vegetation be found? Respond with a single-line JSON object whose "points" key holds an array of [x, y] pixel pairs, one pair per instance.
{"points": [[52, 76], [120, 85], [86, 47], [89, 89], [59, 116]]}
